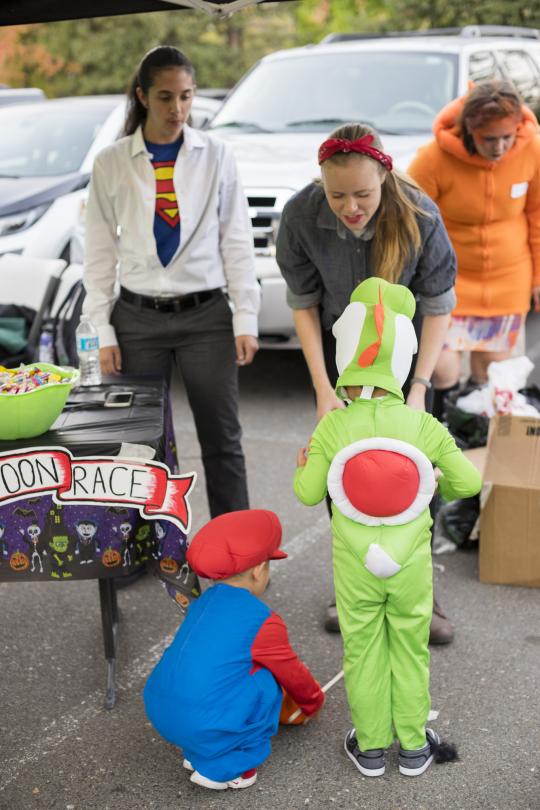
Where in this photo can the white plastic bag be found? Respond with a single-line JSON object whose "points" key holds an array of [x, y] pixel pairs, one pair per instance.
{"points": [[505, 378], [501, 394], [478, 401]]}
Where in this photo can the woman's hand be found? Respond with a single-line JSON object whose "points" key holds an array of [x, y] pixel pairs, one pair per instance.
{"points": [[110, 360], [328, 401], [536, 298], [301, 457], [247, 347]]}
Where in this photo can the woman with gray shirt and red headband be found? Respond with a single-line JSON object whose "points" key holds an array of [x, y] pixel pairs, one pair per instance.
{"points": [[364, 218]]}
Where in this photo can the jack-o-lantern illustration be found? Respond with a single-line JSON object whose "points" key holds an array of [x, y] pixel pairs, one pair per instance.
{"points": [[182, 600], [111, 557], [168, 565], [19, 561]]}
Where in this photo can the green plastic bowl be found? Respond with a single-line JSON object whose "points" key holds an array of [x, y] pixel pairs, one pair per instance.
{"points": [[23, 416]]}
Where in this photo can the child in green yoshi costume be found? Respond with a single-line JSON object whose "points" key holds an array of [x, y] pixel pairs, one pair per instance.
{"points": [[375, 458]]}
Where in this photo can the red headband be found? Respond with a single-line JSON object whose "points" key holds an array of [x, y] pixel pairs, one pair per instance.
{"points": [[362, 146]]}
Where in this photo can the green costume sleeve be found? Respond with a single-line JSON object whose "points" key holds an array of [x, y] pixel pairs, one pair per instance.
{"points": [[460, 478], [310, 481]]}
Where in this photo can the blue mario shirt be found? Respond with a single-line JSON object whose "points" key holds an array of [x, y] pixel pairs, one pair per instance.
{"points": [[216, 692]]}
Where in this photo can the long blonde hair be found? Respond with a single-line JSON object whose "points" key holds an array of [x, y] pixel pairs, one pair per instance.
{"points": [[397, 235]]}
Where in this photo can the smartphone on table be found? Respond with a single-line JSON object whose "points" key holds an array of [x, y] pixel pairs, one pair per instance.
{"points": [[118, 399]]}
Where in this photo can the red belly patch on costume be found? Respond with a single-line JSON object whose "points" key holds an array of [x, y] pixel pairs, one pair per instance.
{"points": [[381, 483]]}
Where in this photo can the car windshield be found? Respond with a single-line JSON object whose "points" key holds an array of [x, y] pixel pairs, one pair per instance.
{"points": [[43, 141], [396, 92]]}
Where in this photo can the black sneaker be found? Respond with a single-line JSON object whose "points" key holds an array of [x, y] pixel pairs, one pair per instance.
{"points": [[413, 763], [369, 763], [331, 622]]}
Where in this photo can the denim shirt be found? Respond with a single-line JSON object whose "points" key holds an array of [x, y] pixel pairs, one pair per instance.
{"points": [[322, 261]]}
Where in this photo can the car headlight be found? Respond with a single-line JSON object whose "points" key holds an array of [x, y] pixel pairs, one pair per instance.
{"points": [[14, 223]]}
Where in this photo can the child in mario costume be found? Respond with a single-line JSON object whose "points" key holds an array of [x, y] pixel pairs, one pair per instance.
{"points": [[218, 690], [375, 459]]}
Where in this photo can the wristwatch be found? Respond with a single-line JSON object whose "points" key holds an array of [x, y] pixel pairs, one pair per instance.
{"points": [[421, 381]]}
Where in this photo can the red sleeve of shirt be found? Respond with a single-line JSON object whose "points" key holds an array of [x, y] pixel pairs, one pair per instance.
{"points": [[271, 649]]}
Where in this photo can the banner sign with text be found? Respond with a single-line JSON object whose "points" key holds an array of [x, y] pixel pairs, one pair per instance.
{"points": [[147, 485]]}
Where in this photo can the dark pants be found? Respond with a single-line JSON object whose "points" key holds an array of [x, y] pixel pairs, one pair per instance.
{"points": [[200, 342]]}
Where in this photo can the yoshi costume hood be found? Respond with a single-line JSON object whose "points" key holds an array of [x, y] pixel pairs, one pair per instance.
{"points": [[375, 338]]}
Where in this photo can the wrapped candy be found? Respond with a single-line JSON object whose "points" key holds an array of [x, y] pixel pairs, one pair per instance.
{"points": [[25, 379]]}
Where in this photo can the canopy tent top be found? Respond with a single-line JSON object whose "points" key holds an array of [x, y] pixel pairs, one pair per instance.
{"points": [[39, 11]]}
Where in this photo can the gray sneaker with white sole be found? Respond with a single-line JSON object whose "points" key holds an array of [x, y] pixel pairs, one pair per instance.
{"points": [[369, 763], [413, 763]]}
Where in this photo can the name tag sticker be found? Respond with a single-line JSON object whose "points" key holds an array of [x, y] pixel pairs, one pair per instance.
{"points": [[518, 190]]}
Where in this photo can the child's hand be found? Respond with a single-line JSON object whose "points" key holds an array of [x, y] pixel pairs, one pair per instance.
{"points": [[301, 457], [313, 716]]}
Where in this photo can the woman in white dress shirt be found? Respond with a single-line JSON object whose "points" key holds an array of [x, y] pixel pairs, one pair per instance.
{"points": [[168, 219]]}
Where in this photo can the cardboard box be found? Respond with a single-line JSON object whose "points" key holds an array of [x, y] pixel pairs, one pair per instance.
{"points": [[510, 503]]}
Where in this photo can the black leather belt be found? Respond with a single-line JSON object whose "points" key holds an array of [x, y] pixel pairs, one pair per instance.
{"points": [[168, 304]]}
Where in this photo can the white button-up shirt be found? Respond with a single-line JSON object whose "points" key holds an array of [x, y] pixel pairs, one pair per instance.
{"points": [[216, 240]]}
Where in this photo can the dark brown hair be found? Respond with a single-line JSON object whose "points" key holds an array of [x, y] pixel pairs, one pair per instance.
{"points": [[160, 58], [487, 101], [397, 235]]}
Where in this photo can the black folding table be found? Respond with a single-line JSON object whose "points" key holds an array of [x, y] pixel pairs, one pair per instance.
{"points": [[44, 541]]}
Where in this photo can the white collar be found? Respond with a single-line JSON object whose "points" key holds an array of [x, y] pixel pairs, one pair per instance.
{"points": [[192, 140]]}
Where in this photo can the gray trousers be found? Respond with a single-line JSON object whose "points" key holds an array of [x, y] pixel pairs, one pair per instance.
{"points": [[200, 343]]}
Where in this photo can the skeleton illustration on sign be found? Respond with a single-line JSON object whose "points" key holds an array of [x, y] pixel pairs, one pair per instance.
{"points": [[125, 530], [31, 536], [3, 544]]}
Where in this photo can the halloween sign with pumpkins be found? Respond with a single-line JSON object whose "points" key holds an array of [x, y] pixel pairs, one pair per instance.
{"points": [[146, 485], [65, 518]]}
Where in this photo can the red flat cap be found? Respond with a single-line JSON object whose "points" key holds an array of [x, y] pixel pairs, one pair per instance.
{"points": [[234, 542]]}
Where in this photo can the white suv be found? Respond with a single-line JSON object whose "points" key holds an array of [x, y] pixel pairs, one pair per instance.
{"points": [[278, 114]]}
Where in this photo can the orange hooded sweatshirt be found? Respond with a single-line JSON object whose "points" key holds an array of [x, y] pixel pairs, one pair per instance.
{"points": [[491, 210]]}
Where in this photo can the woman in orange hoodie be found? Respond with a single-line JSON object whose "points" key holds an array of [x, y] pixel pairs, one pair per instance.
{"points": [[483, 171]]}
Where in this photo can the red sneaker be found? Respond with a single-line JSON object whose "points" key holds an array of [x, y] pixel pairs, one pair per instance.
{"points": [[247, 779]]}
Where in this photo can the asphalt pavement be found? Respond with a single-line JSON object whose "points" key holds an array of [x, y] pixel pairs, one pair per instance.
{"points": [[59, 748]]}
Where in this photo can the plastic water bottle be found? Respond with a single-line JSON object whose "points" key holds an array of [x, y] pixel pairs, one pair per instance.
{"points": [[88, 351], [46, 349]]}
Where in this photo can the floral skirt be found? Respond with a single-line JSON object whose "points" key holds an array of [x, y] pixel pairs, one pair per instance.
{"points": [[470, 333]]}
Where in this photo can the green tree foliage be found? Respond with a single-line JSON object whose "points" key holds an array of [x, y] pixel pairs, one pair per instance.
{"points": [[99, 55], [412, 14], [317, 18]]}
